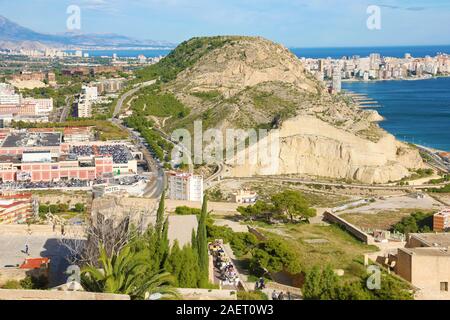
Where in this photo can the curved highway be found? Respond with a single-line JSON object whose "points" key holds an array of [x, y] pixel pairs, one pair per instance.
{"points": [[156, 187]]}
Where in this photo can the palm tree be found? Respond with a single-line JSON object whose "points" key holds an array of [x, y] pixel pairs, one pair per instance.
{"points": [[126, 273]]}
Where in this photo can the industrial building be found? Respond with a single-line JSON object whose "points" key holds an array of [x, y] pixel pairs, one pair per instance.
{"points": [[44, 157], [78, 134]]}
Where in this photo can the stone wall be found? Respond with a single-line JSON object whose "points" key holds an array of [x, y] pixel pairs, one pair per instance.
{"points": [[355, 231]]}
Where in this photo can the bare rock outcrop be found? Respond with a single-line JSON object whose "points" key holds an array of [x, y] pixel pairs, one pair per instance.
{"points": [[309, 146]]}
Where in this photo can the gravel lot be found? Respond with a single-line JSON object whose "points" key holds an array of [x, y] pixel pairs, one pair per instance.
{"points": [[397, 203]]}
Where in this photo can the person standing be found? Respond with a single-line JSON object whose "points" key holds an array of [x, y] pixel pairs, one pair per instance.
{"points": [[274, 295], [27, 250], [262, 285], [281, 296]]}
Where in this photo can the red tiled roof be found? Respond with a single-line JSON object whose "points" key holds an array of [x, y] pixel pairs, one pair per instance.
{"points": [[34, 263]]}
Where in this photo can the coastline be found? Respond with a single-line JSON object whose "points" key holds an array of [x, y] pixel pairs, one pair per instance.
{"points": [[435, 146], [402, 79]]}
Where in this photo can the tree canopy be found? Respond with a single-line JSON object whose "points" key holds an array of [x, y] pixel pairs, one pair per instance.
{"points": [[293, 204]]}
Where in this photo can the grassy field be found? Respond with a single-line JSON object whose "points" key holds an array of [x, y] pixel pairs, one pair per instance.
{"points": [[334, 247], [383, 220]]}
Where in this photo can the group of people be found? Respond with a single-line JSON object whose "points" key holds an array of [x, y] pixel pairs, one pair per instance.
{"points": [[260, 284], [223, 264], [281, 295]]}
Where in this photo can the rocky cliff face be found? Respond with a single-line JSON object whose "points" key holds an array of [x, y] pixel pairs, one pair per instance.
{"points": [[310, 146], [254, 83]]}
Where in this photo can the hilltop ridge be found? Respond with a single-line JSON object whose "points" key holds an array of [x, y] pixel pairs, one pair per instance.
{"points": [[251, 82]]}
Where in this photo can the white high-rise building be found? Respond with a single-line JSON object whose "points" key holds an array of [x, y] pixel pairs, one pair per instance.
{"points": [[337, 80], [185, 186], [84, 109], [89, 93]]}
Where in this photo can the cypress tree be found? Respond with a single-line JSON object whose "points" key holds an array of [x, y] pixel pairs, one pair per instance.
{"points": [[188, 277], [160, 214], [194, 241], [202, 244], [164, 243], [174, 263]]}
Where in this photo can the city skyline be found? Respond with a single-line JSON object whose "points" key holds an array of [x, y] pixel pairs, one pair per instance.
{"points": [[299, 23]]}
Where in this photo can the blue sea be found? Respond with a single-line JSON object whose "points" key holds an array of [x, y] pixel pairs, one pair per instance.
{"points": [[397, 52], [415, 111], [335, 53]]}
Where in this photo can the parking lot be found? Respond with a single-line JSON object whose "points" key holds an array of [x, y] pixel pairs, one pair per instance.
{"points": [[47, 185], [120, 153]]}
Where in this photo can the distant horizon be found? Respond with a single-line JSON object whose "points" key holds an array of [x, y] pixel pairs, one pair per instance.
{"points": [[302, 47], [295, 24]]}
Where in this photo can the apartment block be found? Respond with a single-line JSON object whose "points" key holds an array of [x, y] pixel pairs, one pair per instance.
{"points": [[185, 186], [17, 208], [441, 221]]}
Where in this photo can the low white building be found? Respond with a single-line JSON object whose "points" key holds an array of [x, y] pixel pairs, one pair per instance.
{"points": [[44, 107], [10, 99]]}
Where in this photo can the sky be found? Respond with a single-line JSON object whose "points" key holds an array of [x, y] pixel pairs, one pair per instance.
{"points": [[294, 23]]}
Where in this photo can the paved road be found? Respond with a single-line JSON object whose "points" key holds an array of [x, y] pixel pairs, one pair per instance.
{"points": [[437, 162], [156, 187], [66, 110], [216, 175], [166, 137], [129, 94]]}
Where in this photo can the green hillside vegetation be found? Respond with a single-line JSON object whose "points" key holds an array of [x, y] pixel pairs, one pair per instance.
{"points": [[324, 284], [445, 189], [208, 95], [183, 57], [154, 103], [417, 222]]}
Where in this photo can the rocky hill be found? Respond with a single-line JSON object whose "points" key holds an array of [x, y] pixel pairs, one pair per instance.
{"points": [[248, 82]]}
